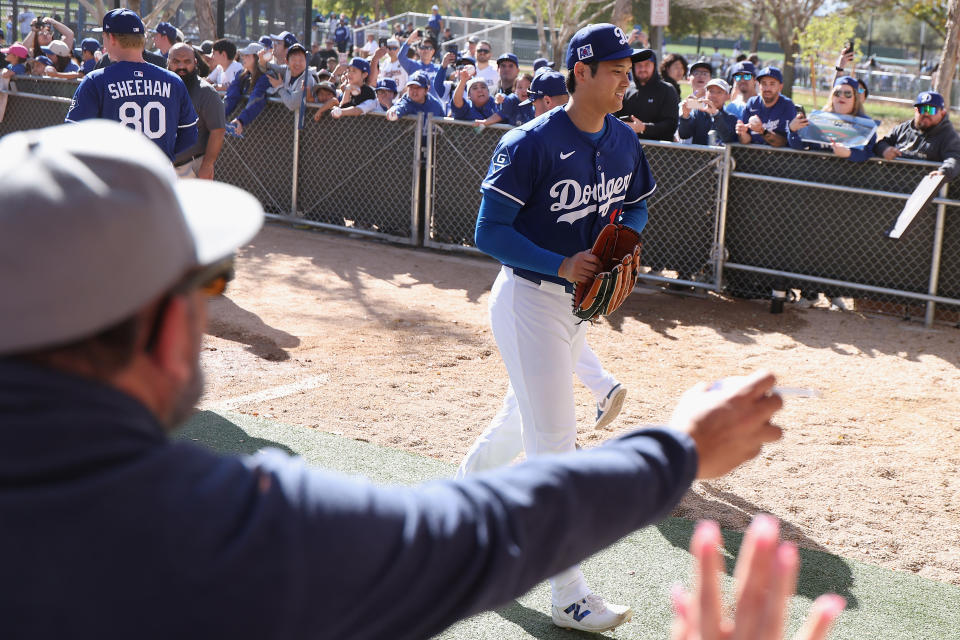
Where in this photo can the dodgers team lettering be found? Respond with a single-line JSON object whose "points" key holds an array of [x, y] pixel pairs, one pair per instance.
{"points": [[571, 194]]}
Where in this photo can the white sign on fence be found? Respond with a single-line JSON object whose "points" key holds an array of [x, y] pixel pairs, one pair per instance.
{"points": [[660, 13]]}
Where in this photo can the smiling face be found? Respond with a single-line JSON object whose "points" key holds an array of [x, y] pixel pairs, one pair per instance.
{"points": [[643, 70], [417, 93], [604, 90], [297, 63], [770, 89]]}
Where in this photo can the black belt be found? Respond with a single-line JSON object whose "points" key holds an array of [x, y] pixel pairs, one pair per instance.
{"points": [[189, 160], [536, 279]]}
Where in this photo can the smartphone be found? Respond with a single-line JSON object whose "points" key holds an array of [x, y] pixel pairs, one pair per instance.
{"points": [[801, 111], [419, 33], [382, 42], [638, 27], [451, 48], [848, 47]]}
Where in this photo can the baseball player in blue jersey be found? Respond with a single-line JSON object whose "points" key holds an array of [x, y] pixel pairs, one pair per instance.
{"points": [[552, 185], [137, 94]]}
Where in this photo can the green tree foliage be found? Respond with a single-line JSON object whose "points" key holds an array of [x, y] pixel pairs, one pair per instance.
{"points": [[822, 38]]}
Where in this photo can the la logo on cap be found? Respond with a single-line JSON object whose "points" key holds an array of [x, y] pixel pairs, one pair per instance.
{"points": [[926, 97], [586, 51]]}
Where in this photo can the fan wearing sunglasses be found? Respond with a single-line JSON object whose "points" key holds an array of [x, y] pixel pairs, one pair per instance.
{"points": [[929, 136], [845, 99]]}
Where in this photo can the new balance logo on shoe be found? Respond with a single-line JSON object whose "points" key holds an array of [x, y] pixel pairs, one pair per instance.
{"points": [[574, 612]]}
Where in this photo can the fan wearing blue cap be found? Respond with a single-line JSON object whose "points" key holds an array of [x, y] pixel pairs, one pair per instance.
{"points": [[766, 116], [516, 108], [139, 95], [548, 90], [417, 99], [471, 98], [164, 37], [845, 100], [386, 91], [508, 67], [928, 136], [281, 44], [359, 97], [742, 79], [551, 186], [89, 50]]}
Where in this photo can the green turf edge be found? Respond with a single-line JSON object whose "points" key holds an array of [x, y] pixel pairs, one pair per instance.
{"points": [[638, 570]]}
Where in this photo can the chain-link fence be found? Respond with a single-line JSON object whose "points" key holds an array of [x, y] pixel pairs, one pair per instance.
{"points": [[816, 223], [459, 155], [361, 173], [678, 242], [33, 103], [261, 161]]}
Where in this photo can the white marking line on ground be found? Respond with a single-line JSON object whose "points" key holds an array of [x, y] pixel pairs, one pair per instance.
{"points": [[270, 394]]}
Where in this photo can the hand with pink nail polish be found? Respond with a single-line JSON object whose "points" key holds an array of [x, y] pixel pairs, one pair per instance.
{"points": [[765, 579]]}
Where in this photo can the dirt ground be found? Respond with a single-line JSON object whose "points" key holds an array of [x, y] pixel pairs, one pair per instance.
{"points": [[392, 345]]}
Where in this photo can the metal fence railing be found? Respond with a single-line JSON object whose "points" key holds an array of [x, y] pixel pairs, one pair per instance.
{"points": [[745, 220]]}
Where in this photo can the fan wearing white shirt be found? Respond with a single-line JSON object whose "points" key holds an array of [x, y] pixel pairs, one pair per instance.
{"points": [[224, 55]]}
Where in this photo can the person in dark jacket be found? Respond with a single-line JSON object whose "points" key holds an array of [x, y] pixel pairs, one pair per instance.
{"points": [[929, 136], [115, 524], [251, 83], [651, 103], [700, 116]]}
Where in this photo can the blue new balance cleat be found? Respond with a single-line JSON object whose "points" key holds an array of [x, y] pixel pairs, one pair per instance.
{"points": [[591, 614]]}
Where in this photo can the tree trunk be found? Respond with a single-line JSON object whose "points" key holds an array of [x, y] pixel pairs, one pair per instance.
{"points": [[541, 31], [622, 15], [206, 19], [948, 55], [757, 30]]}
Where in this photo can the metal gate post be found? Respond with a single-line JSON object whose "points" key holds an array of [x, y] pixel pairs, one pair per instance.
{"points": [[296, 159], [935, 258], [719, 246]]}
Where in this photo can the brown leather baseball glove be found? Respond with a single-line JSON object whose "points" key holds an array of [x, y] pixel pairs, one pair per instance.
{"points": [[618, 247]]}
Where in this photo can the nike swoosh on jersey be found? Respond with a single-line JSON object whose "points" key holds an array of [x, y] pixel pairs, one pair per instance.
{"points": [[564, 156]]}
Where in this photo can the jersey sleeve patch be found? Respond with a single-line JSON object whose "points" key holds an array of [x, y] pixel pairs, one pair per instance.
{"points": [[501, 160]]}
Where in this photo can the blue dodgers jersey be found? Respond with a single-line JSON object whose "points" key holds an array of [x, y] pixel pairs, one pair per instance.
{"points": [[568, 186], [775, 118], [142, 96]]}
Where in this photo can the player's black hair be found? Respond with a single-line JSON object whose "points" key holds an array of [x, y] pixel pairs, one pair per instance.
{"points": [[572, 81], [226, 46]]}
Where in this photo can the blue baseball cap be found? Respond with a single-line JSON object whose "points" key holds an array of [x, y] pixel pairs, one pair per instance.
{"points": [[386, 84], [462, 60], [850, 81], [929, 98], [546, 83], [418, 78], [770, 72], [286, 37], [360, 63], [166, 29], [508, 57], [266, 42], [121, 21], [90, 44], [541, 62], [45, 60], [600, 42], [742, 67]]}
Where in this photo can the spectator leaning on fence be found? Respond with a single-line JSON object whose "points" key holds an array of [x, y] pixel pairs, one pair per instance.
{"points": [[61, 61], [673, 70], [477, 105], [386, 95], [251, 83], [358, 96], [743, 81], [651, 103], [845, 99], [291, 80], [281, 43], [700, 116], [929, 136], [198, 160], [508, 66], [224, 54], [765, 117], [417, 99], [16, 56], [325, 94], [515, 109]]}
